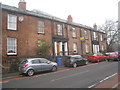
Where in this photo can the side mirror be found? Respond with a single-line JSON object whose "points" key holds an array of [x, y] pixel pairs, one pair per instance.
{"points": [[48, 62]]}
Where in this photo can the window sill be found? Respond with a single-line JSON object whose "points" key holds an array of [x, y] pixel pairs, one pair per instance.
{"points": [[11, 30], [87, 52], [11, 54], [41, 33], [74, 37]]}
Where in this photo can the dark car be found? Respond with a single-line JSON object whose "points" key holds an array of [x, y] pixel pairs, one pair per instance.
{"points": [[96, 57], [112, 56], [75, 60]]}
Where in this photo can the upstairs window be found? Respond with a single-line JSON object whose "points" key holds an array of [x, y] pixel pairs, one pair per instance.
{"points": [[59, 29], [74, 32], [86, 35], [94, 35], [11, 46], [41, 27], [75, 47], [101, 37], [12, 22]]}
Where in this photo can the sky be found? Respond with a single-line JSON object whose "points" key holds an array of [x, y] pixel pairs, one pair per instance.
{"points": [[86, 12]]}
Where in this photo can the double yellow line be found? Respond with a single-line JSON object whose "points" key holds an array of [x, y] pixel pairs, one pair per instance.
{"points": [[115, 86]]}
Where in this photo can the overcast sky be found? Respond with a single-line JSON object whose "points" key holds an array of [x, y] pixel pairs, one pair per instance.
{"points": [[86, 12]]}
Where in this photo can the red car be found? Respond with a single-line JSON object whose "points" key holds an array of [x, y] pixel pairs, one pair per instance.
{"points": [[96, 57], [112, 56]]}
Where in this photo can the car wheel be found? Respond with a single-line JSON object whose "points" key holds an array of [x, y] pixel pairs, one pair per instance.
{"points": [[54, 68], [108, 60], [86, 62], [98, 61], [30, 72], [74, 65]]}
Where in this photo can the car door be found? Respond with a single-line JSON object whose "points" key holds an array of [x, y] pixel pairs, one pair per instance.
{"points": [[99, 56], [36, 65], [103, 57], [46, 65], [79, 60]]}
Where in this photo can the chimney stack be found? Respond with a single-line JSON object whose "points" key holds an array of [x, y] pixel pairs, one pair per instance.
{"points": [[22, 5], [95, 26], [70, 18]]}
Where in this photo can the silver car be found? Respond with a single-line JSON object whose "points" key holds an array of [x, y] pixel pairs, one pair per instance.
{"points": [[33, 65]]}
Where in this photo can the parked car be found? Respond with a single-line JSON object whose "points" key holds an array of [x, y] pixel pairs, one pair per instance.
{"points": [[112, 56], [97, 57], [33, 65], [75, 60]]}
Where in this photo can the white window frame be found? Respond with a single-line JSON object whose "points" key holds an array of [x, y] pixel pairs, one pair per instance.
{"points": [[75, 48], [102, 48], [41, 27], [12, 22], [74, 32], [59, 29], [87, 48], [94, 35], [11, 46], [86, 34], [101, 37]]}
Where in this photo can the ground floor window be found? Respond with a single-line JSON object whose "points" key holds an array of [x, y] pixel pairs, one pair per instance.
{"points": [[11, 46], [87, 48], [75, 47]]}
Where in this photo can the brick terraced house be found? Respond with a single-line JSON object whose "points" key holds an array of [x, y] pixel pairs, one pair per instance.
{"points": [[22, 29]]}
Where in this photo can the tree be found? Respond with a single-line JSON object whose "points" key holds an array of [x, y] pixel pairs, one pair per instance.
{"points": [[110, 27], [43, 49]]}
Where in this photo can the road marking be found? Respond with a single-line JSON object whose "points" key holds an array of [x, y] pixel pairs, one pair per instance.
{"points": [[69, 76], [102, 80], [115, 86]]}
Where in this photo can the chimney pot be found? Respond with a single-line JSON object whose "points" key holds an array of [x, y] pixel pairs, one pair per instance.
{"points": [[95, 26], [70, 18], [22, 5]]}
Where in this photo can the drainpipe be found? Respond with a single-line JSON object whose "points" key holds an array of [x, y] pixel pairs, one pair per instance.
{"points": [[81, 42], [91, 41], [52, 33]]}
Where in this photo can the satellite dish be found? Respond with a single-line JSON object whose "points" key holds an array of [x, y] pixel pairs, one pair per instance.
{"points": [[21, 18]]}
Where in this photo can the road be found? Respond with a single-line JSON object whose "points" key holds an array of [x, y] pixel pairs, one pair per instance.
{"points": [[81, 77]]}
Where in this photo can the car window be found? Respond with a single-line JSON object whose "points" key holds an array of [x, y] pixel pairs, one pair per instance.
{"points": [[113, 54], [94, 54], [100, 54], [76, 58], [107, 54], [43, 60], [24, 62], [35, 61]]}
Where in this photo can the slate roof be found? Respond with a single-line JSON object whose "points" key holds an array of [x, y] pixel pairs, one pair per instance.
{"points": [[44, 15]]}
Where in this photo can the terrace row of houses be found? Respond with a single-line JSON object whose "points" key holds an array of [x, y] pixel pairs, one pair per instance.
{"points": [[23, 29]]}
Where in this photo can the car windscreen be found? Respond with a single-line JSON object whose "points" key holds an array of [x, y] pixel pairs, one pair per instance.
{"points": [[106, 54], [113, 53], [74, 58], [94, 54], [24, 62]]}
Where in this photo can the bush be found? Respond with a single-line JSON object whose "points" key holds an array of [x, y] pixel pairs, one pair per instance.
{"points": [[43, 49]]}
